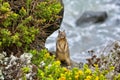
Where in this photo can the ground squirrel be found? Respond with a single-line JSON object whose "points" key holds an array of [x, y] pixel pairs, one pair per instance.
{"points": [[62, 48]]}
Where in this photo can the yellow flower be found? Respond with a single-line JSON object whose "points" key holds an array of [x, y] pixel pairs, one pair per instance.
{"points": [[62, 78], [68, 73], [97, 78], [80, 72], [96, 65], [47, 55], [57, 63], [88, 77], [76, 77], [65, 69], [62, 75], [88, 71]]}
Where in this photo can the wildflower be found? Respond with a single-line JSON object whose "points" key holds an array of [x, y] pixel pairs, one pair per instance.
{"points": [[65, 69], [62, 78], [57, 62], [57, 70], [68, 73], [62, 75], [96, 65], [76, 77], [80, 72], [88, 77], [97, 78], [88, 71], [47, 55]]}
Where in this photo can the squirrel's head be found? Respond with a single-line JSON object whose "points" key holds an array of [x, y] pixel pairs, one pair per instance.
{"points": [[61, 34]]}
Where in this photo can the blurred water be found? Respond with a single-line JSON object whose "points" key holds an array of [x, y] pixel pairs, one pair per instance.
{"points": [[94, 36]]}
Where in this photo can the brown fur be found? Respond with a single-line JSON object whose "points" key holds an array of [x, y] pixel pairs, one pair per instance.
{"points": [[62, 48]]}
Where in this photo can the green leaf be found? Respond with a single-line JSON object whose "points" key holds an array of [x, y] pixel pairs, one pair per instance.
{"points": [[26, 69]]}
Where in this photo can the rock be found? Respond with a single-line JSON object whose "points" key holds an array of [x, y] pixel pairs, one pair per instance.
{"points": [[1, 56], [13, 68], [1, 75], [92, 17]]}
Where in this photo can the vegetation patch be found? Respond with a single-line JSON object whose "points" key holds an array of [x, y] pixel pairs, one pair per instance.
{"points": [[22, 26]]}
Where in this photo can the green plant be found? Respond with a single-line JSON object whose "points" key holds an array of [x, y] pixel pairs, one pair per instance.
{"points": [[41, 57], [19, 29], [48, 10], [50, 69], [25, 69], [14, 31]]}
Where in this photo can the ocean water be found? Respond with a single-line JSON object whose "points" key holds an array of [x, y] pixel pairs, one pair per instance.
{"points": [[95, 37]]}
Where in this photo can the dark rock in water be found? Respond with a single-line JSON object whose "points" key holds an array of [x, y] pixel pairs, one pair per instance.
{"points": [[92, 17]]}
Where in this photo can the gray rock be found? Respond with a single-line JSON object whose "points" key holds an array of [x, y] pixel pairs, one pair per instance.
{"points": [[92, 17], [1, 56]]}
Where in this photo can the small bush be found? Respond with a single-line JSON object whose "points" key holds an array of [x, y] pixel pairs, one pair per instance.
{"points": [[50, 69], [47, 10], [45, 67], [20, 29]]}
